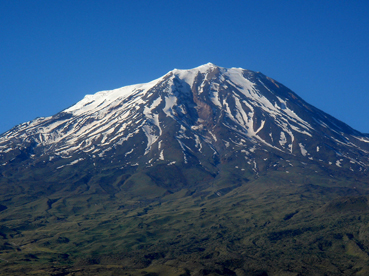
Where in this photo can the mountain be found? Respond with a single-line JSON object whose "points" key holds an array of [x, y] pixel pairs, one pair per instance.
{"points": [[231, 147], [197, 117]]}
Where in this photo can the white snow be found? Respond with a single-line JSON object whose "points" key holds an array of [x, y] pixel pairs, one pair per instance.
{"points": [[362, 139], [190, 75], [151, 137], [76, 161], [303, 150], [213, 136], [105, 98], [198, 143], [127, 153], [261, 127], [283, 139], [71, 163], [184, 147], [214, 96], [170, 101], [161, 157]]}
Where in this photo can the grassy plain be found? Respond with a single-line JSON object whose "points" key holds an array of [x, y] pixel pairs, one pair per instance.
{"points": [[289, 221]]}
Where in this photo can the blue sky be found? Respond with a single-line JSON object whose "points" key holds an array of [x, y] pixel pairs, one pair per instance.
{"points": [[52, 53]]}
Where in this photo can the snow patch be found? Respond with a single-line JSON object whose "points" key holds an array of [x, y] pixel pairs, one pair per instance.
{"points": [[71, 163], [283, 139], [161, 157], [151, 137], [302, 149]]}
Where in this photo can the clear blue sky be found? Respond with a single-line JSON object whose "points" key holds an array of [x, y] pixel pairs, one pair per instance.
{"points": [[52, 53]]}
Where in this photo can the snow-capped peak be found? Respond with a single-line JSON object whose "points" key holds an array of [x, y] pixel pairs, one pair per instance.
{"points": [[90, 102], [207, 108]]}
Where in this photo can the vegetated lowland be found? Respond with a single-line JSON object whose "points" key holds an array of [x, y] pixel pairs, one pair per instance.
{"points": [[295, 219]]}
